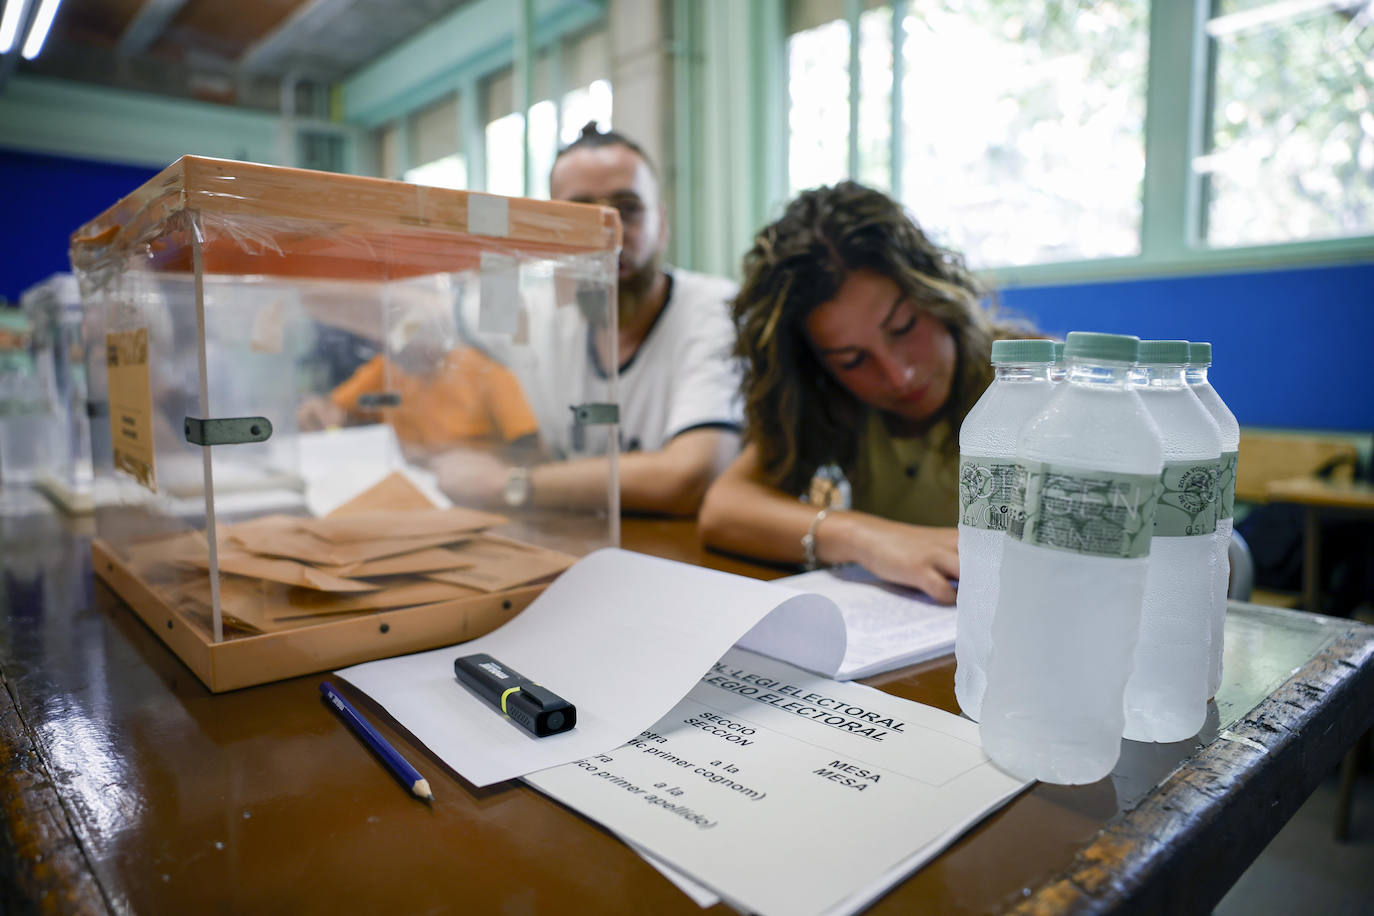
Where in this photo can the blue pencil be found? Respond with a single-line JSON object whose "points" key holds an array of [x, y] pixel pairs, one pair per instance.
{"points": [[380, 746]]}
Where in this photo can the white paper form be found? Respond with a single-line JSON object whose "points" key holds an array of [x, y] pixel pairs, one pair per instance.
{"points": [[338, 464], [887, 626], [788, 793], [621, 635]]}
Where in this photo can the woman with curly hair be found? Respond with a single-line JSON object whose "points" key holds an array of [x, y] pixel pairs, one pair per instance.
{"points": [[864, 345]]}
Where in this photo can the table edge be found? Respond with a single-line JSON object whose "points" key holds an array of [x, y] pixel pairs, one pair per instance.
{"points": [[1161, 856]]}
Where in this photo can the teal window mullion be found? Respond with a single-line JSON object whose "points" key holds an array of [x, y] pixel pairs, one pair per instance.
{"points": [[899, 8], [472, 110], [557, 81], [685, 100], [524, 89], [403, 144], [1174, 95]]}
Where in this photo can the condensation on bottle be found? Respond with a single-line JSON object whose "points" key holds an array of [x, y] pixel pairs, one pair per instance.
{"points": [[1166, 695], [1199, 361], [988, 480], [1073, 572]]}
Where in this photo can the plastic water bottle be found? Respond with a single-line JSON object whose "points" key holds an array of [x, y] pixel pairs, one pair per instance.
{"points": [[1073, 572], [1166, 695], [1057, 371], [1199, 359], [988, 476]]}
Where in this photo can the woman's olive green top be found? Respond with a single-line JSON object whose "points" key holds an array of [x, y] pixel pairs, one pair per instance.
{"points": [[913, 480]]}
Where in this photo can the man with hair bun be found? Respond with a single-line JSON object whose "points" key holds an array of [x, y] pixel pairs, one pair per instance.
{"points": [[680, 416]]}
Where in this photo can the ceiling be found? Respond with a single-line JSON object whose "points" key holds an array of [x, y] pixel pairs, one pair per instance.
{"points": [[237, 52]]}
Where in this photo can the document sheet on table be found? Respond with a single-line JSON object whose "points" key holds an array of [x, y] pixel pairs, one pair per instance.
{"points": [[620, 635], [784, 792], [886, 626]]}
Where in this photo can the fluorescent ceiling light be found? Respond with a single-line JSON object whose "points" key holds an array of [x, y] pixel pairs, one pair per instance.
{"points": [[38, 32], [9, 25]]}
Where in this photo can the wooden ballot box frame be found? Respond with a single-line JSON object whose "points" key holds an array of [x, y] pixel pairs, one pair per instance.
{"points": [[246, 661]]}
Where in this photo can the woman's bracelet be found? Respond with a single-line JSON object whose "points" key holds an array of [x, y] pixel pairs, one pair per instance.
{"points": [[809, 539]]}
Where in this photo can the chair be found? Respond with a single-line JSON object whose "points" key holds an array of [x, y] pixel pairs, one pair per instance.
{"points": [[1267, 457], [1242, 578]]}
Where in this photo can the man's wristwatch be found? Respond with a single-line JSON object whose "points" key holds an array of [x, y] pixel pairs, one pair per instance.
{"points": [[517, 489]]}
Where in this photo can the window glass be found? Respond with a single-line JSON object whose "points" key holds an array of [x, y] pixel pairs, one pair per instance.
{"points": [[1023, 121], [506, 155], [1024, 127], [875, 98], [543, 146], [818, 106], [449, 171], [505, 136], [590, 103], [1291, 151]]}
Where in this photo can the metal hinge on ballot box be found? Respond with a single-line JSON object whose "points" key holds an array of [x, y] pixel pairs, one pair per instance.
{"points": [[376, 400], [585, 415], [227, 430]]}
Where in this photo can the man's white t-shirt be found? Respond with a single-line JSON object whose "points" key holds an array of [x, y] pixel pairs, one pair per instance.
{"points": [[682, 376]]}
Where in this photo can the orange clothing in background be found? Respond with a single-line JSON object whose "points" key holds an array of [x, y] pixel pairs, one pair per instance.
{"points": [[471, 397]]}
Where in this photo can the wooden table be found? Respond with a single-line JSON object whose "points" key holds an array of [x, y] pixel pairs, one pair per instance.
{"points": [[1320, 499], [126, 787]]}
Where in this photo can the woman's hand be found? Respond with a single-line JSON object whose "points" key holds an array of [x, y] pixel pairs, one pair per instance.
{"points": [[913, 555], [744, 514]]}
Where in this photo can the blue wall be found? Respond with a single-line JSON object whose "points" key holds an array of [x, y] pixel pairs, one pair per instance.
{"points": [[1292, 348], [46, 198]]}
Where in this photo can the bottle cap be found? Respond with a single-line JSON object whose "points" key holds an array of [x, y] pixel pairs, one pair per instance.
{"points": [[1121, 348], [1059, 351], [1163, 352], [1022, 351], [1200, 354]]}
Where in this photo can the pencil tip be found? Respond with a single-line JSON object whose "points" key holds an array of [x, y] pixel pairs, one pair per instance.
{"points": [[421, 788]]}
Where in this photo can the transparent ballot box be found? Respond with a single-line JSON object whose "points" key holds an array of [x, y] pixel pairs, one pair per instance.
{"points": [[29, 429], [61, 451], [322, 403]]}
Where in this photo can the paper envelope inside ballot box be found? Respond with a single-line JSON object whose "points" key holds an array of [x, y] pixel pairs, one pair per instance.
{"points": [[368, 526], [302, 545], [307, 603], [244, 604], [288, 572], [433, 559], [498, 563]]}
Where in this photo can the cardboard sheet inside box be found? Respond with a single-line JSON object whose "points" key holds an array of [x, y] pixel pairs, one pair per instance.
{"points": [[318, 392]]}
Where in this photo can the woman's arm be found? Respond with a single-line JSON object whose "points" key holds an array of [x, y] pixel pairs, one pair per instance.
{"points": [[743, 514], [670, 481]]}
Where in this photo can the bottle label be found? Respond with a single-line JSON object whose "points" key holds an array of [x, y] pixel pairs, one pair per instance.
{"points": [[990, 490], [1188, 503], [1226, 486], [1093, 513]]}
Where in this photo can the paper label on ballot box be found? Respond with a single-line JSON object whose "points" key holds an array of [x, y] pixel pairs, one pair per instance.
{"points": [[131, 405]]}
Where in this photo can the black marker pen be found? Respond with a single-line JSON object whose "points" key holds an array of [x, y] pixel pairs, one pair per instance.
{"points": [[537, 710]]}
